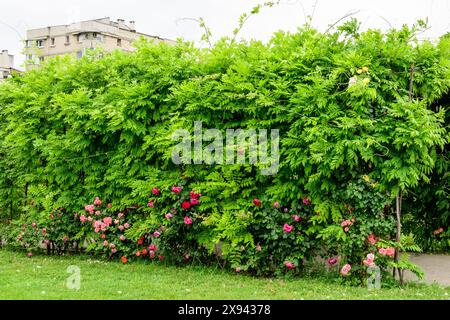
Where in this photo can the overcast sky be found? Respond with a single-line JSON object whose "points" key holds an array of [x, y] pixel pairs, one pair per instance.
{"points": [[166, 17]]}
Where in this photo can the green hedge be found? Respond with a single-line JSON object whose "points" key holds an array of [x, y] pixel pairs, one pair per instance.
{"points": [[355, 129]]}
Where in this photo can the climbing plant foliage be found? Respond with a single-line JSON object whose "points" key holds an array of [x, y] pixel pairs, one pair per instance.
{"points": [[351, 137]]}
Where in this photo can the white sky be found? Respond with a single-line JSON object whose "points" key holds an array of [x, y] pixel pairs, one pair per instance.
{"points": [[164, 17]]}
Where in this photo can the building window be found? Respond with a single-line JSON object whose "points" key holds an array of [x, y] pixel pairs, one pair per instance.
{"points": [[119, 42], [27, 43], [29, 57], [94, 35], [52, 41], [41, 59], [79, 54], [67, 39], [39, 43]]}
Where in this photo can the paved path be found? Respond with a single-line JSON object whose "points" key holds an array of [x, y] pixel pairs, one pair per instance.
{"points": [[435, 266]]}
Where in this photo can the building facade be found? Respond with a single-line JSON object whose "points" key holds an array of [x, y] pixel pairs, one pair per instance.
{"points": [[6, 64], [79, 37]]}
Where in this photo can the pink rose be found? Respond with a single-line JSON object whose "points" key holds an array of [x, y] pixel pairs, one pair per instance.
{"points": [[306, 201], [296, 218], [176, 189], [109, 205], [105, 243], [152, 247], [346, 223], [194, 201], [187, 220], [276, 205], [289, 265], [116, 221], [113, 250], [371, 239], [90, 219], [382, 251], [89, 208], [126, 225], [155, 191], [238, 269], [121, 228], [97, 213], [156, 234], [97, 201], [346, 269], [390, 252], [83, 218], [29, 254], [346, 229], [152, 254], [120, 215], [112, 245], [169, 216], [122, 237], [107, 221], [368, 263], [258, 247], [150, 204], [332, 261], [287, 228]]}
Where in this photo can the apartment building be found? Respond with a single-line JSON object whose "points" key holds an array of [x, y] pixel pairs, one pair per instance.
{"points": [[6, 64], [79, 37]]}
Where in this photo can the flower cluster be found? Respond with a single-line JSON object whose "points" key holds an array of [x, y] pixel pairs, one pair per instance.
{"points": [[369, 261], [387, 251], [346, 269], [372, 239], [346, 224]]}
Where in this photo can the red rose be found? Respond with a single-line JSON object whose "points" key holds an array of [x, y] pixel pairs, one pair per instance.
{"points": [[155, 191], [144, 251], [186, 205], [124, 259], [194, 195], [257, 202]]}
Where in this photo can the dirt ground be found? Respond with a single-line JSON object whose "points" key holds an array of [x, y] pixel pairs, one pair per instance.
{"points": [[436, 268]]}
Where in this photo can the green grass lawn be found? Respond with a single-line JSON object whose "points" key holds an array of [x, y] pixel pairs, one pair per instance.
{"points": [[42, 277]]}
